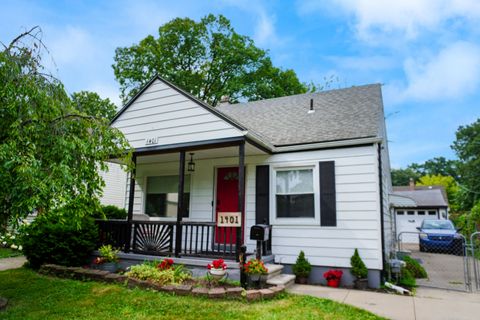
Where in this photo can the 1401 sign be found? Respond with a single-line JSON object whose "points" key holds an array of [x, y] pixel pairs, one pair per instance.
{"points": [[229, 219]]}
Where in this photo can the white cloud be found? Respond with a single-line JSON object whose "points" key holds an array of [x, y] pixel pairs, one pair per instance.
{"points": [[405, 18], [106, 90], [70, 45], [453, 73]]}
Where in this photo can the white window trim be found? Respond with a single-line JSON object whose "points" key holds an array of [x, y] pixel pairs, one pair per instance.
{"points": [[315, 221], [166, 218]]}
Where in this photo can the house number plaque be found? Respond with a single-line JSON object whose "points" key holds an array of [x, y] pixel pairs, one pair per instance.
{"points": [[229, 219]]}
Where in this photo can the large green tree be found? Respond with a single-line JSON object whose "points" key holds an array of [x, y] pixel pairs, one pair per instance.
{"points": [[206, 58], [467, 147], [52, 146]]}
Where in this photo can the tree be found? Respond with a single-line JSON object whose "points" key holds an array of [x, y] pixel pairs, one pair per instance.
{"points": [[401, 177], [467, 147], [437, 166], [206, 58], [448, 182], [51, 146]]}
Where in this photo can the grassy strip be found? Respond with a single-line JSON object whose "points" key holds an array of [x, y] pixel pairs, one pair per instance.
{"points": [[32, 296], [8, 253]]}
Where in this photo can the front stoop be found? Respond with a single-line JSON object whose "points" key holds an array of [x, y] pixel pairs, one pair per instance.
{"points": [[276, 277]]}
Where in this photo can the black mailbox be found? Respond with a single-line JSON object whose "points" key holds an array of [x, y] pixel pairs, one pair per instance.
{"points": [[260, 232]]}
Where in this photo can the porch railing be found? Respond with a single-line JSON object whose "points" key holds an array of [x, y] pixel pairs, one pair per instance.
{"points": [[199, 239]]}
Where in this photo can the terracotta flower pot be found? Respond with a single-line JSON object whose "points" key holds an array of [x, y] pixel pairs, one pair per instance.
{"points": [[334, 283]]}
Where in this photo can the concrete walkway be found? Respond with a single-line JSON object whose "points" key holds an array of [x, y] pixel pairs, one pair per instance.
{"points": [[427, 304], [12, 263]]}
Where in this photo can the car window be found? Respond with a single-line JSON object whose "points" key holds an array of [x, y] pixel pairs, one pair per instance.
{"points": [[436, 224]]}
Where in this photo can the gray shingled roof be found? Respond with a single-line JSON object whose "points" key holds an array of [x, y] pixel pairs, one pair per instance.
{"points": [[342, 114], [424, 196]]}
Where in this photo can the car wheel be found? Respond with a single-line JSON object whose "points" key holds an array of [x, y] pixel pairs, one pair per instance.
{"points": [[422, 248]]}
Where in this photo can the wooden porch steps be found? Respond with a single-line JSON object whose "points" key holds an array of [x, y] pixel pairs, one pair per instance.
{"points": [[277, 277]]}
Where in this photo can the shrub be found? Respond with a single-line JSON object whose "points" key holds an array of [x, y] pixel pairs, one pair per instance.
{"points": [[255, 266], [302, 267], [407, 280], [359, 270], [108, 254], [415, 268], [49, 240], [111, 212], [151, 271]]}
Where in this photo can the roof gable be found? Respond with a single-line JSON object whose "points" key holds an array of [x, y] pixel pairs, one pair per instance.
{"points": [[163, 114]]}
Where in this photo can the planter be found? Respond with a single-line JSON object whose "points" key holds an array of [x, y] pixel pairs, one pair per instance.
{"points": [[254, 276], [334, 283], [217, 274], [361, 284], [109, 266], [301, 280]]}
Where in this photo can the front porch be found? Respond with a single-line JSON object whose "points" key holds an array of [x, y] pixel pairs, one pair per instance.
{"points": [[175, 208]]}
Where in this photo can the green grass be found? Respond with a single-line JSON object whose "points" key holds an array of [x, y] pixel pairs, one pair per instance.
{"points": [[33, 296], [8, 253]]}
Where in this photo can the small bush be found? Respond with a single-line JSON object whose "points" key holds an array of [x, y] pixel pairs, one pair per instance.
{"points": [[47, 240], [407, 280], [359, 270], [302, 266], [111, 212], [151, 271], [415, 268]]}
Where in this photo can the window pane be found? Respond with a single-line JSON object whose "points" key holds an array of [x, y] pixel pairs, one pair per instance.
{"points": [[421, 213], [295, 206], [410, 213], [162, 196], [399, 212], [295, 181], [432, 213]]}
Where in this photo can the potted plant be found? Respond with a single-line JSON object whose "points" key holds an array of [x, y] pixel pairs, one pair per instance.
{"points": [[301, 268], [333, 278], [108, 259], [359, 271], [217, 268], [255, 268]]}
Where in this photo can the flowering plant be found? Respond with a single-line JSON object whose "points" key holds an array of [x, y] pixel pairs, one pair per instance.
{"points": [[255, 266], [99, 260], [108, 254], [165, 264], [333, 275], [217, 264]]}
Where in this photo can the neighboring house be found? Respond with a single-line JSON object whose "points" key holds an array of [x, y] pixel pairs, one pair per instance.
{"points": [[115, 186], [413, 204], [315, 167]]}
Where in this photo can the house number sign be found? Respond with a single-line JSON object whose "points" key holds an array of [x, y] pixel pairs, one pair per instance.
{"points": [[150, 141], [229, 219]]}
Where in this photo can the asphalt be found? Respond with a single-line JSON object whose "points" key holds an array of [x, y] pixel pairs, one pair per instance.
{"points": [[426, 304]]}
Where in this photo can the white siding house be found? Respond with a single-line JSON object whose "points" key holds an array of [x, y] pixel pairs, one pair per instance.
{"points": [[316, 169]]}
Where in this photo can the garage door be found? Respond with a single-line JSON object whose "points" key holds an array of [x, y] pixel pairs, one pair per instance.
{"points": [[409, 220]]}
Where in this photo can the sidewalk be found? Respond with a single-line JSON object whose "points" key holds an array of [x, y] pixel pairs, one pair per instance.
{"points": [[12, 263], [427, 304]]}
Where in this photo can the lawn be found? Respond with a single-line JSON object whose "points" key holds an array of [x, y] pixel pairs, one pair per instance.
{"points": [[33, 296], [7, 253]]}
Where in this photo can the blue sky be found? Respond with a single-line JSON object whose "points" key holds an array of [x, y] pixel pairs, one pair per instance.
{"points": [[425, 52]]}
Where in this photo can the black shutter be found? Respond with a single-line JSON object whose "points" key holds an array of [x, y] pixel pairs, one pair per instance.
{"points": [[262, 195], [328, 206]]}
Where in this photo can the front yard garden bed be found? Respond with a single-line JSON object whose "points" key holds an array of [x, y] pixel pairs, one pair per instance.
{"points": [[34, 296], [189, 286]]}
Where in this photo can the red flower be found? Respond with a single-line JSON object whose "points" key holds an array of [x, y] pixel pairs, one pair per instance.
{"points": [[217, 264], [165, 264]]}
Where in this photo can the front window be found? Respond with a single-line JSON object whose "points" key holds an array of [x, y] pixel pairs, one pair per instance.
{"points": [[295, 194], [162, 196]]}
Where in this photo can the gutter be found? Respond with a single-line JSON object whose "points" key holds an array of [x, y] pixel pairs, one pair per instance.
{"points": [[329, 144], [382, 224]]}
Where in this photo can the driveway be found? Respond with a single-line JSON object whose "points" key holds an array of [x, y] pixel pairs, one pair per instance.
{"points": [[445, 271]]}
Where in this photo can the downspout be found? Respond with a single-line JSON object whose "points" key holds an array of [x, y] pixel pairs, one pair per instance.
{"points": [[382, 226]]}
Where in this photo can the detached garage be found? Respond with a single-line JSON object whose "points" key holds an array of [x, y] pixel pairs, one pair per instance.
{"points": [[413, 204]]}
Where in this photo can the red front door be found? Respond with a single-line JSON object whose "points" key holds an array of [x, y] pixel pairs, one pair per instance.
{"points": [[227, 201]]}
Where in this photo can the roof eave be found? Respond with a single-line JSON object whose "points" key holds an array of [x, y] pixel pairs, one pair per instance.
{"points": [[327, 145]]}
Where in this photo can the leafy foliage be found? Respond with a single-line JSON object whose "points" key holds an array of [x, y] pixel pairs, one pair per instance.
{"points": [[207, 59], [108, 254], [439, 166], [407, 280], [48, 239], [302, 267], [255, 266], [416, 270], [111, 212], [401, 177], [358, 270], [448, 182], [148, 271]]}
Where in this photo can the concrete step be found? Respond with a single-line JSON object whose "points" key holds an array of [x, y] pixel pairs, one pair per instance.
{"points": [[282, 279], [273, 270]]}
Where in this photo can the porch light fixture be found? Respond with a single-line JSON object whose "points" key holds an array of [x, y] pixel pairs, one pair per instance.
{"points": [[191, 164]]}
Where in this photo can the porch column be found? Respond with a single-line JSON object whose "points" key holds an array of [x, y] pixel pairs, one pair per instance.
{"points": [[131, 196], [181, 182], [241, 193]]}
